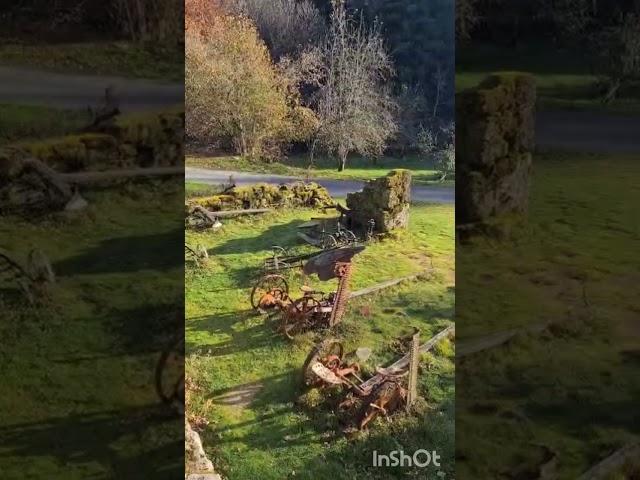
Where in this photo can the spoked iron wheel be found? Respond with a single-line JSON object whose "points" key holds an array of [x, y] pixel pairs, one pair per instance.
{"points": [[169, 375], [384, 399], [348, 237], [328, 242], [299, 316], [326, 352], [269, 289]]}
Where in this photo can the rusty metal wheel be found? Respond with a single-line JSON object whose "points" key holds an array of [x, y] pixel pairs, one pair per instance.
{"points": [[384, 399], [272, 287], [328, 242], [300, 316], [326, 351]]}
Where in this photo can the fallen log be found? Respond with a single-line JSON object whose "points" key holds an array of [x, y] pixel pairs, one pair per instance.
{"points": [[55, 179], [401, 365], [80, 178], [383, 285], [237, 213], [612, 463]]}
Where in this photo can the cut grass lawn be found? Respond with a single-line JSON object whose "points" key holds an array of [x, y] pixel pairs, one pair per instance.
{"points": [[229, 346], [78, 398], [564, 78], [20, 122], [107, 58], [298, 166], [571, 390]]}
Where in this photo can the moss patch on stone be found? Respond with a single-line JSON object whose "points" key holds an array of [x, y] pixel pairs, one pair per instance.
{"points": [[265, 195]]}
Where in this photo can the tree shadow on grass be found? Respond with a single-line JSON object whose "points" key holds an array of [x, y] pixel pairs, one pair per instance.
{"points": [[284, 235], [256, 331], [280, 424], [161, 251], [107, 441], [145, 329], [272, 399]]}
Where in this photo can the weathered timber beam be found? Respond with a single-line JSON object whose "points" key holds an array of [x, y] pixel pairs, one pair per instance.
{"points": [[486, 342], [383, 285], [237, 213], [50, 175]]}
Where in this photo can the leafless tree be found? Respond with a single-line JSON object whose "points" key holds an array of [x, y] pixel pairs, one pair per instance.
{"points": [[353, 103], [286, 26], [466, 18], [441, 81], [621, 51], [150, 20]]}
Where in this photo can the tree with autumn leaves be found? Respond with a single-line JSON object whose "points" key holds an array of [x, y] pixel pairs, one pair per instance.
{"points": [[330, 90], [236, 96]]}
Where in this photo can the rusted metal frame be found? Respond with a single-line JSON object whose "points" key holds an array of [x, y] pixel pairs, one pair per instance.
{"points": [[343, 269]]}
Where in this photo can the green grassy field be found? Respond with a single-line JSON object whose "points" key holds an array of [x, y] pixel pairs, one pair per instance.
{"points": [[571, 391], [78, 398], [229, 346], [20, 122], [107, 58], [298, 165], [565, 79]]}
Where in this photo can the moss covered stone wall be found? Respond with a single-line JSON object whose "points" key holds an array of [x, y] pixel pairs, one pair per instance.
{"points": [[494, 142], [136, 140], [265, 195]]}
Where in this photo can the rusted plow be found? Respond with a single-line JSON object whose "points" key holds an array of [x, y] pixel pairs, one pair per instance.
{"points": [[272, 287], [314, 309], [389, 390]]}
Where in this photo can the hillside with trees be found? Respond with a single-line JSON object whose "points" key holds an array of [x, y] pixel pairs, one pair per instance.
{"points": [[331, 79]]}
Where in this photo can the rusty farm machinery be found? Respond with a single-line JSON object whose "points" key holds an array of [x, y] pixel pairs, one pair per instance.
{"points": [[390, 389], [314, 309]]}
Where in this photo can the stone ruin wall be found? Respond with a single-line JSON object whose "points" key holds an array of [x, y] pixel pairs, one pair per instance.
{"points": [[130, 141], [386, 200], [495, 127]]}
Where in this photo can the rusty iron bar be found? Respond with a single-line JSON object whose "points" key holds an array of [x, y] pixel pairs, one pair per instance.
{"points": [[343, 271]]}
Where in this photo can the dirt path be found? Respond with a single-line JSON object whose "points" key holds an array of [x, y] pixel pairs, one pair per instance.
{"points": [[26, 86], [595, 132]]}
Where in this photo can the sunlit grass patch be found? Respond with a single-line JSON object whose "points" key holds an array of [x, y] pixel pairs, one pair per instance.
{"points": [[231, 349]]}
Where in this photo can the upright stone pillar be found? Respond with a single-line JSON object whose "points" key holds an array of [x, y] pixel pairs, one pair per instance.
{"points": [[494, 143], [384, 200]]}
